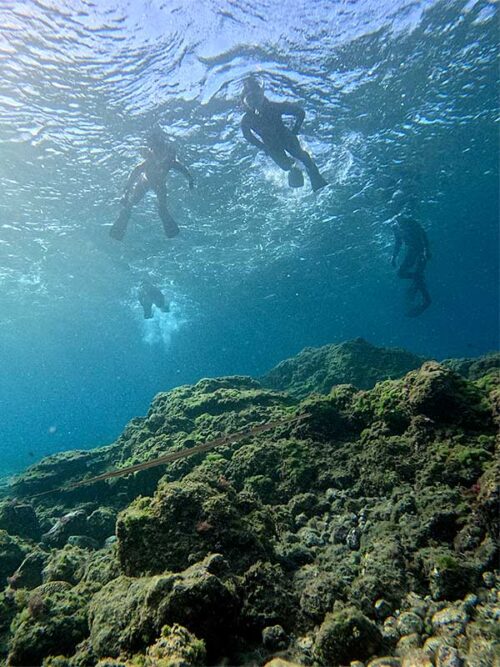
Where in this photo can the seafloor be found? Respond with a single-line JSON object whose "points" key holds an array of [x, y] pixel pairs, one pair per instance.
{"points": [[365, 533]]}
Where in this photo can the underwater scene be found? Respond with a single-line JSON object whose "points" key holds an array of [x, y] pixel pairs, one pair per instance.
{"points": [[249, 333]]}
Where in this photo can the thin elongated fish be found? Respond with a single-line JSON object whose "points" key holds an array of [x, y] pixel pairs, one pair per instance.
{"points": [[229, 439]]}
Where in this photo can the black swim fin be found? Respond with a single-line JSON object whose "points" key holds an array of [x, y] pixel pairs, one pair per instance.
{"points": [[317, 182], [119, 228], [295, 178]]}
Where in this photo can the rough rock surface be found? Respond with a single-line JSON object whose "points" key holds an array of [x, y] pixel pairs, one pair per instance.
{"points": [[357, 362], [366, 533]]}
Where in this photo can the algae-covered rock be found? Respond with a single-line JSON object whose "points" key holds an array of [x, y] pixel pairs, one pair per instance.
{"points": [[346, 635], [437, 392], [367, 528], [101, 523], [29, 574], [355, 362], [474, 369], [449, 575], [184, 522], [52, 623], [127, 614], [19, 518], [268, 599], [66, 565], [72, 523], [12, 553], [176, 647]]}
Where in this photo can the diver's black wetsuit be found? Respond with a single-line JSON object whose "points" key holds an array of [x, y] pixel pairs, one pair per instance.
{"points": [[408, 232], [265, 129], [149, 295], [150, 175]]}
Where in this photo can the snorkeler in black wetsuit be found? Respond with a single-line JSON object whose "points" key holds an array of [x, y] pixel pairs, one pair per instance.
{"points": [[263, 126], [150, 295], [408, 232], [150, 175]]}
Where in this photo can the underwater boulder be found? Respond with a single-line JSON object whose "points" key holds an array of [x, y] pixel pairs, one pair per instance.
{"points": [[346, 635], [13, 550], [127, 614], [53, 622], [66, 564], [29, 573], [101, 523], [446, 574], [176, 646], [268, 599], [72, 523], [184, 522], [444, 396], [354, 362], [19, 518]]}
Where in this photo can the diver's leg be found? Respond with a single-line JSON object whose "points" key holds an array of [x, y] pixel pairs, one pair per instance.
{"points": [[279, 157], [418, 285], [293, 147], [407, 269], [119, 228], [147, 306], [169, 225]]}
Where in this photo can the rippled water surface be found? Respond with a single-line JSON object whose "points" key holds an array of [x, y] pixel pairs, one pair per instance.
{"points": [[401, 109]]}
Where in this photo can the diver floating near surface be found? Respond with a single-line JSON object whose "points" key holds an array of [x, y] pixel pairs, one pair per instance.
{"points": [[150, 174], [263, 126], [149, 296], [410, 233]]}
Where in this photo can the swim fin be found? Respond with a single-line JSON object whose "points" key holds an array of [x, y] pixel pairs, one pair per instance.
{"points": [[317, 181], [295, 178], [119, 228]]}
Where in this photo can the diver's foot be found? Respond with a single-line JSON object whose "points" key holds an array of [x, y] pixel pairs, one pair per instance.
{"points": [[117, 233], [318, 182], [171, 229], [417, 310]]}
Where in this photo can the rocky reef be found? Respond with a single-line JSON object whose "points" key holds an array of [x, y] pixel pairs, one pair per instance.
{"points": [[364, 534]]}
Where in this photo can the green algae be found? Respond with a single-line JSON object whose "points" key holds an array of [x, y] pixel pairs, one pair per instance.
{"points": [[380, 493]]}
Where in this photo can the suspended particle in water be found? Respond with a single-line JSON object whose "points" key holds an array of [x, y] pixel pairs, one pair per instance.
{"points": [[52, 429]]}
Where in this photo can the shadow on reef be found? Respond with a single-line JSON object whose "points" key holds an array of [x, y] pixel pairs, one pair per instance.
{"points": [[366, 532]]}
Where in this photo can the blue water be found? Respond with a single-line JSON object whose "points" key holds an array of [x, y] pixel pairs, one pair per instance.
{"points": [[401, 111]]}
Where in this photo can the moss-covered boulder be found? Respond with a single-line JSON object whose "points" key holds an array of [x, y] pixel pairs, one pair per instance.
{"points": [[346, 635], [12, 553], [29, 574], [355, 362], [184, 522], [176, 646], [267, 599], [128, 614], [19, 518], [52, 623], [67, 564]]}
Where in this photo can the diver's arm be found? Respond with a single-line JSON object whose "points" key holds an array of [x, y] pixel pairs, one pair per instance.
{"points": [[178, 166], [249, 135], [290, 109], [398, 242]]}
